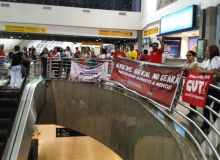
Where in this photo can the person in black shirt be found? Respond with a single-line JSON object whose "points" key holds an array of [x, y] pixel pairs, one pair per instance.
{"points": [[24, 63], [44, 55], [15, 70]]}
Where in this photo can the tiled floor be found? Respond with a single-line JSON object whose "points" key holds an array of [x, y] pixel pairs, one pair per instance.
{"points": [[71, 148]]}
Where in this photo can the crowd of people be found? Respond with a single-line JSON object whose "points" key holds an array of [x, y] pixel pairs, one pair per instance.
{"points": [[210, 65]]}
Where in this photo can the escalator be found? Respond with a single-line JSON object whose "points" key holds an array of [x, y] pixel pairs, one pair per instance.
{"points": [[9, 102], [8, 107]]}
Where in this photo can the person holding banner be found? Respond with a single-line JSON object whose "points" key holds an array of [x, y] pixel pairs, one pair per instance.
{"points": [[118, 53], [156, 54], [133, 55], [190, 65], [208, 66]]}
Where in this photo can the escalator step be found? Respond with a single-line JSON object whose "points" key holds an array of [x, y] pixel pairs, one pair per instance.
{"points": [[5, 124], [6, 112], [3, 134], [8, 102], [8, 94]]}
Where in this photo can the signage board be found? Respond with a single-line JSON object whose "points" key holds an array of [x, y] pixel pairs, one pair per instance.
{"points": [[26, 29], [92, 43], [116, 33], [151, 31], [182, 19], [66, 132]]}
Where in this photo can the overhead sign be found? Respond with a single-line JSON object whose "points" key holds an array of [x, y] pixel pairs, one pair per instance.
{"points": [[66, 132], [27, 29], [155, 81], [182, 19], [151, 31], [92, 43], [116, 33]]}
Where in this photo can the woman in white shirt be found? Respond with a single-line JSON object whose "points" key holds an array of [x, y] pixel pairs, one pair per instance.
{"points": [[190, 64], [67, 60], [208, 66]]}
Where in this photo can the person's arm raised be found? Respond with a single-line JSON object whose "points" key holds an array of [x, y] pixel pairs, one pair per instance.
{"points": [[161, 43]]}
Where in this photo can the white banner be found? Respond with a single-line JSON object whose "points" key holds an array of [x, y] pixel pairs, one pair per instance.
{"points": [[81, 73]]}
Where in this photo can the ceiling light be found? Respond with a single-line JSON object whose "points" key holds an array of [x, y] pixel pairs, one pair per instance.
{"points": [[97, 40], [100, 39], [118, 41], [124, 40]]}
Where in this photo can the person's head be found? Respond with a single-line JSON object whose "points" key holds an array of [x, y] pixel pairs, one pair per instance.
{"points": [[45, 50], [117, 49], [29, 49], [155, 46], [33, 50], [2, 48], [145, 51], [55, 49], [131, 47], [190, 55], [67, 48], [126, 50], [77, 48], [137, 50], [25, 49], [88, 49], [212, 51], [93, 53], [17, 48], [104, 51]]}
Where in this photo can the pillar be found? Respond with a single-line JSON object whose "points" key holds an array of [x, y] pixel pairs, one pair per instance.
{"points": [[140, 38], [218, 27]]}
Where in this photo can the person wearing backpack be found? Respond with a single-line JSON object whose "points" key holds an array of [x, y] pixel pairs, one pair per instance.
{"points": [[15, 69]]}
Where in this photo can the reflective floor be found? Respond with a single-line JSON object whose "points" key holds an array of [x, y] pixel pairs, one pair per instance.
{"points": [[70, 148]]}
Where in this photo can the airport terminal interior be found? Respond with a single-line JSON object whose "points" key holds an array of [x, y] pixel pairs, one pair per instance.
{"points": [[109, 79]]}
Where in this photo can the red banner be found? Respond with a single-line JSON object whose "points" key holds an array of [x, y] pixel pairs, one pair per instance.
{"points": [[196, 88], [155, 81]]}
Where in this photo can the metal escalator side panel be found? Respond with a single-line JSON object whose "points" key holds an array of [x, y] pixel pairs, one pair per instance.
{"points": [[12, 138]]}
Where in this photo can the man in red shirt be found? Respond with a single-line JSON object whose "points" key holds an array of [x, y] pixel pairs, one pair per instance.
{"points": [[118, 53], [156, 54], [2, 52], [145, 56]]}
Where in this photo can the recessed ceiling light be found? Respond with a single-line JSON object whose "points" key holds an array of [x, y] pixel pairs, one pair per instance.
{"points": [[97, 40], [124, 40], [118, 41], [100, 39]]}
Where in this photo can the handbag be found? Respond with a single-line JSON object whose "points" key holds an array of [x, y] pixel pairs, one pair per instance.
{"points": [[8, 62]]}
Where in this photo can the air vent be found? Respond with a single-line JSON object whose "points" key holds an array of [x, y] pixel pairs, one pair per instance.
{"points": [[86, 11], [122, 13], [48, 8], [4, 5]]}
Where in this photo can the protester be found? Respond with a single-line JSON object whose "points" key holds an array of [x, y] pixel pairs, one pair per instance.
{"points": [[190, 65], [44, 55], [208, 66], [25, 63], [67, 61], [2, 52], [15, 70], [33, 54], [102, 55], [77, 53], [92, 58], [133, 55], [156, 54], [56, 61], [118, 53], [88, 52], [128, 54], [145, 56], [138, 54]]}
